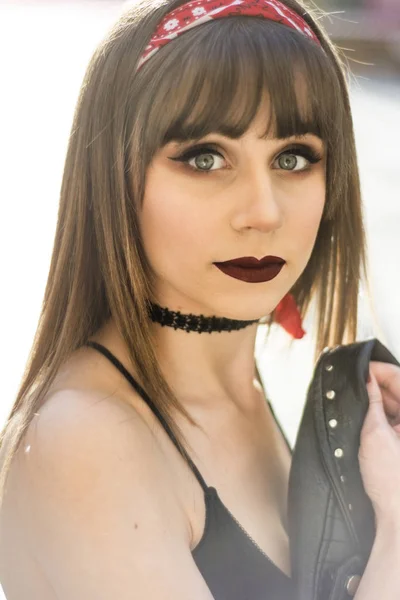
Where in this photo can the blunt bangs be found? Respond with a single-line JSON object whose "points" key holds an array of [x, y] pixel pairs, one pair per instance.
{"points": [[214, 79]]}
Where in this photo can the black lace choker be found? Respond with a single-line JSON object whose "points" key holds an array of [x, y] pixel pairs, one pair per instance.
{"points": [[198, 323]]}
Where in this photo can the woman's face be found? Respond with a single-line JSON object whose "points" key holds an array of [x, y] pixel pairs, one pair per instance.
{"points": [[228, 199]]}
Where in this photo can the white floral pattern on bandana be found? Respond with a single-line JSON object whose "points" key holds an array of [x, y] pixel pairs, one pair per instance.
{"points": [[197, 12], [172, 24], [194, 13]]}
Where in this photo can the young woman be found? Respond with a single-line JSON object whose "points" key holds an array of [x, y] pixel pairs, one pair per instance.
{"points": [[211, 181]]}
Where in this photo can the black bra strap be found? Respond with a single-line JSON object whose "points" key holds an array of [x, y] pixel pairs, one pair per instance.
{"points": [[103, 350]]}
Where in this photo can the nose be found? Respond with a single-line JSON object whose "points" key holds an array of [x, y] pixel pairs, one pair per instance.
{"points": [[259, 204]]}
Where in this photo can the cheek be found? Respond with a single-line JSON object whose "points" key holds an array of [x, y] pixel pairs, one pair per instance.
{"points": [[171, 225], [305, 217]]}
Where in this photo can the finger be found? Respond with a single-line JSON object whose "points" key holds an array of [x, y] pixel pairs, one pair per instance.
{"points": [[376, 412], [391, 405], [388, 377], [374, 392]]}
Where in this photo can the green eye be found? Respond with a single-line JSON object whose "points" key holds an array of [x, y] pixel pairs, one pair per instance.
{"points": [[204, 162], [201, 159], [290, 159], [289, 162]]}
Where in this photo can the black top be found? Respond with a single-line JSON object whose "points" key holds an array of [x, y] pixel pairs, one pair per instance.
{"points": [[231, 563]]}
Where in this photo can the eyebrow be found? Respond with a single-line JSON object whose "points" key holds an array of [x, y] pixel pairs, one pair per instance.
{"points": [[180, 143], [298, 135]]}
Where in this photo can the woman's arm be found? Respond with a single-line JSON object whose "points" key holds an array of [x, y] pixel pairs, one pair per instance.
{"points": [[97, 506], [381, 579]]}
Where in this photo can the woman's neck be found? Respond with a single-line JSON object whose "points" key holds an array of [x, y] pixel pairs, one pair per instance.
{"points": [[205, 369]]}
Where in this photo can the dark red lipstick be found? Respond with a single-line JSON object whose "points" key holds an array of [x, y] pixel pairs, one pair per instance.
{"points": [[252, 270]]}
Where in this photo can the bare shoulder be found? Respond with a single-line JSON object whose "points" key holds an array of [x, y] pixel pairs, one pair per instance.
{"points": [[91, 428], [96, 504], [81, 440]]}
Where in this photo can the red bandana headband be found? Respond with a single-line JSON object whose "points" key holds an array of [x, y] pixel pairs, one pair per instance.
{"points": [[196, 13]]}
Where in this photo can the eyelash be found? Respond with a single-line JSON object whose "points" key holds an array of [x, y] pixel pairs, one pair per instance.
{"points": [[310, 154]]}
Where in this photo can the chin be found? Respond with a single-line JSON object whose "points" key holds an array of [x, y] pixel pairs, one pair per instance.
{"points": [[250, 308], [243, 314]]}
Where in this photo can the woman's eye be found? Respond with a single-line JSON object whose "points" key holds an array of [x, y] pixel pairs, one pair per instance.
{"points": [[202, 159], [297, 159], [292, 162], [206, 161]]}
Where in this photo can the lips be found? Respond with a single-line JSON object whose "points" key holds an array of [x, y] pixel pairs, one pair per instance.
{"points": [[252, 270]]}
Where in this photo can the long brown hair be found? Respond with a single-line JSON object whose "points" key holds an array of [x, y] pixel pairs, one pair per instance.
{"points": [[210, 79]]}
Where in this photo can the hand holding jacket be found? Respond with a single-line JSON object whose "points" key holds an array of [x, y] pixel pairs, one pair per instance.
{"points": [[379, 453]]}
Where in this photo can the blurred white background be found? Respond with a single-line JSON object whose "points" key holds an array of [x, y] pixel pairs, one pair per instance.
{"points": [[44, 50]]}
